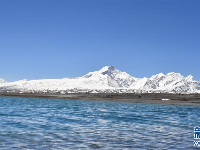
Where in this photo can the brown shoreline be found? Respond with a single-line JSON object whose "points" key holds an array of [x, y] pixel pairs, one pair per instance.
{"points": [[152, 98]]}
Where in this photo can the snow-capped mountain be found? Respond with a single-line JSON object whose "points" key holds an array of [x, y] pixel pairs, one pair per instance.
{"points": [[171, 82], [110, 78], [2, 81]]}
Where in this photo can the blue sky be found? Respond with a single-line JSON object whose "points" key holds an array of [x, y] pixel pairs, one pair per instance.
{"points": [[68, 38]]}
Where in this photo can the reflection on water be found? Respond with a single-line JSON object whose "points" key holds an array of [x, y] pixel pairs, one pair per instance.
{"points": [[30, 123]]}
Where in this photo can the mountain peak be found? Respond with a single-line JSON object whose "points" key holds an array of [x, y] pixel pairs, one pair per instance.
{"points": [[174, 74], [106, 68], [157, 76], [189, 78], [2, 80], [160, 74]]}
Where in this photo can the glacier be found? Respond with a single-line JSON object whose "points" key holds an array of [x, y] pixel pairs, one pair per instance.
{"points": [[108, 79]]}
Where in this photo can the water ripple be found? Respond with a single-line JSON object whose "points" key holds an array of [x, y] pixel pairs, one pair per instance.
{"points": [[30, 123]]}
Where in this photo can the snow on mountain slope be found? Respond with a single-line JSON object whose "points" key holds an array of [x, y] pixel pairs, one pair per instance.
{"points": [[175, 82], [111, 78], [106, 78]]}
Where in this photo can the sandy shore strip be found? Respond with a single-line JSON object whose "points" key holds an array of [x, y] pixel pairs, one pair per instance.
{"points": [[153, 98]]}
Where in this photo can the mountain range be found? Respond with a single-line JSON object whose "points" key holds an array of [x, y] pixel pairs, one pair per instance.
{"points": [[110, 78]]}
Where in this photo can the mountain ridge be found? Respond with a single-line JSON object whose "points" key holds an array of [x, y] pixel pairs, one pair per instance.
{"points": [[110, 78]]}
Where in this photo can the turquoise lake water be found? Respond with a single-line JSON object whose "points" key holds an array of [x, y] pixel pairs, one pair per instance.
{"points": [[34, 123]]}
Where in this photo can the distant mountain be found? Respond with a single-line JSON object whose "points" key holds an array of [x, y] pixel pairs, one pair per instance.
{"points": [[111, 78], [171, 82], [2, 81]]}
